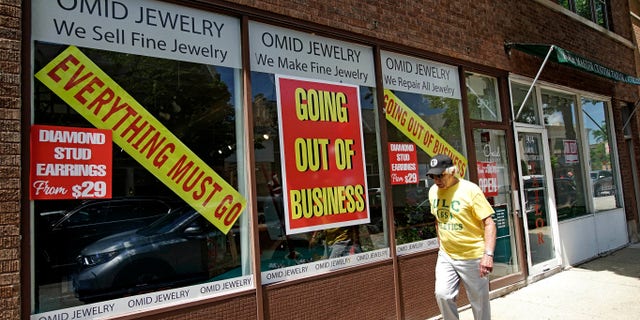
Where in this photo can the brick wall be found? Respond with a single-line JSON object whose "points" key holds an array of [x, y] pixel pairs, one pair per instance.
{"points": [[10, 35], [473, 31], [634, 125]]}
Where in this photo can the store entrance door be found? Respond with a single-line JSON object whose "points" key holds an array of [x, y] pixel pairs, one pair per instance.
{"points": [[494, 176], [537, 201]]}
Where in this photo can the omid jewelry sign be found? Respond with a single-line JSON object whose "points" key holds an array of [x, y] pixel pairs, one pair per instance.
{"points": [[99, 99], [322, 149]]}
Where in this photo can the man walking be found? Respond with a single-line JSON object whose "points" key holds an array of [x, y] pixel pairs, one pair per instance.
{"points": [[467, 236]]}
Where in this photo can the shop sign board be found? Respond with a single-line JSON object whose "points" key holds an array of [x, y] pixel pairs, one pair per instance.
{"points": [[322, 151], [323, 266], [288, 52], [142, 27], [403, 159], [410, 74], [99, 99], [150, 301], [417, 246], [70, 163]]}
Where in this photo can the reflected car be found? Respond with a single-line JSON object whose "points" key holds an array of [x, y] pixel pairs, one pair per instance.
{"points": [[566, 197], [61, 234], [277, 249], [180, 248], [602, 181]]}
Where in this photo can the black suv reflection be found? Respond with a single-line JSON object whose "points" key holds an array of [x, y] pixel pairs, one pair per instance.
{"points": [[180, 248], [62, 234]]}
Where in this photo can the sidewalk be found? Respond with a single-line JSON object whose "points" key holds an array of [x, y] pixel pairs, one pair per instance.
{"points": [[604, 288]]}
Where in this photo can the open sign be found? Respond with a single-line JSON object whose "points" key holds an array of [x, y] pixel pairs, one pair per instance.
{"points": [[488, 178]]}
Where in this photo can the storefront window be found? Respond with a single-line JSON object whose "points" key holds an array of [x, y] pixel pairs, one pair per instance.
{"points": [[134, 139], [564, 144], [423, 111], [528, 111], [482, 97], [316, 153], [145, 237], [601, 169]]}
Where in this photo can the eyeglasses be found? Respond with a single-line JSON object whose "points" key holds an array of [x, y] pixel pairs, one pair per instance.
{"points": [[435, 176]]}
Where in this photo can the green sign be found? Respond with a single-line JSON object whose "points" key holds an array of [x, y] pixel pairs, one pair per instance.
{"points": [[502, 252], [563, 56]]}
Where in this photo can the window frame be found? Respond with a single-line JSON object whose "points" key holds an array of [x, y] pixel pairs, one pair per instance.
{"points": [[231, 77], [593, 11], [583, 151]]}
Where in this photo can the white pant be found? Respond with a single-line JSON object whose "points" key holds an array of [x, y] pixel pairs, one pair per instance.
{"points": [[449, 272]]}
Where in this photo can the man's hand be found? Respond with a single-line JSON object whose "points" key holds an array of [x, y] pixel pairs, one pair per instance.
{"points": [[486, 265]]}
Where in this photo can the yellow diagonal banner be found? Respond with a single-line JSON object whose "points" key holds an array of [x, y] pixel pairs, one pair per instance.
{"points": [[411, 125], [99, 99]]}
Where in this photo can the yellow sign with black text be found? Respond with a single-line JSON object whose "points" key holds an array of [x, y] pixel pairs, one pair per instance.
{"points": [[411, 125], [99, 99]]}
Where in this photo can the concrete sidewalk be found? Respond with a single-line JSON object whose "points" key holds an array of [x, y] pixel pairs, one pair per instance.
{"points": [[605, 288]]}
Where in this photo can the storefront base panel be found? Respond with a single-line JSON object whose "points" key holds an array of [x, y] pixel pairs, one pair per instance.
{"points": [[417, 285], [585, 238], [238, 307], [611, 230], [358, 294]]}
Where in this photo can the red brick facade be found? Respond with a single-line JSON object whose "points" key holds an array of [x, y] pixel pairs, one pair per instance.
{"points": [[471, 34], [10, 158]]}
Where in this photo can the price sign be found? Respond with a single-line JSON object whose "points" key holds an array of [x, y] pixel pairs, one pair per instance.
{"points": [[70, 163], [89, 189], [404, 163]]}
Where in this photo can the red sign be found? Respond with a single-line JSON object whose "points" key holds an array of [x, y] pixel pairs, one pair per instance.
{"points": [[70, 163], [324, 177], [570, 151], [403, 158], [488, 178]]}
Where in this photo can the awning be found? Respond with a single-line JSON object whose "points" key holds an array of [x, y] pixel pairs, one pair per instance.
{"points": [[566, 57]]}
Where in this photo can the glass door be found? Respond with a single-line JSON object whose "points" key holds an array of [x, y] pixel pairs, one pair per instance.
{"points": [[494, 179], [537, 201]]}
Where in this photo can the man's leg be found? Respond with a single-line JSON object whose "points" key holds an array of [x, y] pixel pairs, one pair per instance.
{"points": [[447, 286], [477, 288]]}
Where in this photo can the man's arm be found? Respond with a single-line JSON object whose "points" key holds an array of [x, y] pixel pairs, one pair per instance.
{"points": [[486, 263], [489, 234]]}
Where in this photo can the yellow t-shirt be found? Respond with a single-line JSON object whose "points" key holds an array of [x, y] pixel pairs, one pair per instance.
{"points": [[459, 211]]}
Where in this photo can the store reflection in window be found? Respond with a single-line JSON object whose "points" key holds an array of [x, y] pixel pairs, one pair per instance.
{"points": [[412, 216], [559, 111], [425, 113], [145, 238], [525, 111], [482, 97], [278, 249], [602, 169]]}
